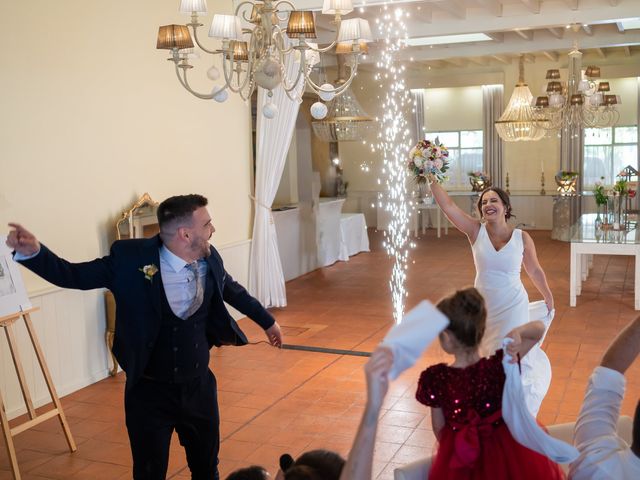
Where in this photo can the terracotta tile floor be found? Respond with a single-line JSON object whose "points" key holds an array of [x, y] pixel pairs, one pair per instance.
{"points": [[274, 401]]}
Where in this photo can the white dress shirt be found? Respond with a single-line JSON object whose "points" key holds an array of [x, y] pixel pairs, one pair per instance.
{"points": [[603, 454], [179, 282]]}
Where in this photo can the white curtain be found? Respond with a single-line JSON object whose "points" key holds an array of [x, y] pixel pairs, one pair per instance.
{"points": [[492, 151], [418, 116], [273, 136]]}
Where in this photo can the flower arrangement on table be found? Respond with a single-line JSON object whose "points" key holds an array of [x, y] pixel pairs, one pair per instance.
{"points": [[599, 193], [479, 181], [428, 160], [566, 181]]}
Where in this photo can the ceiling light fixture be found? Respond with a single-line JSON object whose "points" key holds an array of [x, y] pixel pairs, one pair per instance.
{"points": [[519, 122], [255, 46], [581, 102]]}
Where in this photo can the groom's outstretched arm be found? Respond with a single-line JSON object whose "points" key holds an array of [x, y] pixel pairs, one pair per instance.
{"points": [[43, 262]]}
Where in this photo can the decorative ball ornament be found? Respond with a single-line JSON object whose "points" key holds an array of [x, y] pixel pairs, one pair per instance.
{"points": [[213, 73], [326, 92], [220, 94], [268, 74], [318, 110], [269, 110]]}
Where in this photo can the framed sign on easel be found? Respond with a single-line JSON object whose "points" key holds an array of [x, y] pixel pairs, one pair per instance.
{"points": [[14, 306]]}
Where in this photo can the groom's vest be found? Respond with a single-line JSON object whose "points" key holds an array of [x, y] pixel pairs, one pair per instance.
{"points": [[181, 351]]}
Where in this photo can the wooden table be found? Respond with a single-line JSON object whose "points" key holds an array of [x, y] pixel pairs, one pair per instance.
{"points": [[587, 240]]}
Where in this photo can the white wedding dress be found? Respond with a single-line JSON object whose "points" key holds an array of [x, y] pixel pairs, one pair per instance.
{"points": [[498, 280]]}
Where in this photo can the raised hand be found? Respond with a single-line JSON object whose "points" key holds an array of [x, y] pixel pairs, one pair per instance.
{"points": [[22, 240], [377, 373]]}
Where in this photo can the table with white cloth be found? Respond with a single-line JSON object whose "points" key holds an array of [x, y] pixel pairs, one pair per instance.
{"points": [[353, 235], [588, 240], [421, 209], [328, 233]]}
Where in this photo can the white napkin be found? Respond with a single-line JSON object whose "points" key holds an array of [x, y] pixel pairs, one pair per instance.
{"points": [[521, 424], [413, 335]]}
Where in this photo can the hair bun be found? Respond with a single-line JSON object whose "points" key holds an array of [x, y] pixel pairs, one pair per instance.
{"points": [[286, 461]]}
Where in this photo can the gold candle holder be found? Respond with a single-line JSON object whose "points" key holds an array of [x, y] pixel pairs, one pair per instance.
{"points": [[542, 191], [506, 184]]}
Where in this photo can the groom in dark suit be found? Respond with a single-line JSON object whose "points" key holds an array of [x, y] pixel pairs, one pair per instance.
{"points": [[170, 292]]}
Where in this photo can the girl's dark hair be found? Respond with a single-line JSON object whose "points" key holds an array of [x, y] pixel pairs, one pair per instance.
{"points": [[467, 315], [504, 196], [316, 465], [253, 472]]}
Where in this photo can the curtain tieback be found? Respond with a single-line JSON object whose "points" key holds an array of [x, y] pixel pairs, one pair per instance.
{"points": [[258, 203]]}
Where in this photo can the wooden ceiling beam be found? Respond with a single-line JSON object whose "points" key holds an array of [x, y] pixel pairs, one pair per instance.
{"points": [[457, 8], [494, 6], [526, 34], [556, 32], [532, 5]]}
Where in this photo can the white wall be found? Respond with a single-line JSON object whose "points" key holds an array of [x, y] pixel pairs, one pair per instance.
{"points": [[444, 107], [92, 117]]}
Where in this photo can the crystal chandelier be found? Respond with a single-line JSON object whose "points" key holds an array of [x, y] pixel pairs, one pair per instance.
{"points": [[580, 102], [345, 120], [519, 122], [256, 44]]}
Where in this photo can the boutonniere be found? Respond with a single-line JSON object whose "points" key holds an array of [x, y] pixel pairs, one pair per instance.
{"points": [[149, 271]]}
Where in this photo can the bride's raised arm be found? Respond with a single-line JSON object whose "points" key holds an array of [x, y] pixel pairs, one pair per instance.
{"points": [[462, 221]]}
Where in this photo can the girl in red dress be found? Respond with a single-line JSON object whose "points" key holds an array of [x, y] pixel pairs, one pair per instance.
{"points": [[466, 400]]}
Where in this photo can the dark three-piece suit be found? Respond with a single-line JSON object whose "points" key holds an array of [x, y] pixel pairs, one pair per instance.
{"points": [[166, 358]]}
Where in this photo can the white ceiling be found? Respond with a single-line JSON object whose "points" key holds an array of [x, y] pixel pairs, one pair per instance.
{"points": [[536, 28]]}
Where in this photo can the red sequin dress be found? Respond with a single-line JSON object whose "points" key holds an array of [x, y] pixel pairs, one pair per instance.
{"points": [[475, 443]]}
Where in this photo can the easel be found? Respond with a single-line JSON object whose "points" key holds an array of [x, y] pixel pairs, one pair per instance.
{"points": [[8, 433]]}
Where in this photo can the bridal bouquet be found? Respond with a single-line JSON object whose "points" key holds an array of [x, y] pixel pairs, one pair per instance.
{"points": [[428, 158]]}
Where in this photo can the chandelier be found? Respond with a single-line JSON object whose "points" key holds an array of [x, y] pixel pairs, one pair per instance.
{"points": [[258, 41], [519, 122], [581, 102], [345, 120]]}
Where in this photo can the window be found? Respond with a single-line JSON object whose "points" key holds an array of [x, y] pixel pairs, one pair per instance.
{"points": [[465, 154], [607, 151]]}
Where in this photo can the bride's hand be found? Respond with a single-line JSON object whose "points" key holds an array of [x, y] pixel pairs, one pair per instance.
{"points": [[549, 303]]}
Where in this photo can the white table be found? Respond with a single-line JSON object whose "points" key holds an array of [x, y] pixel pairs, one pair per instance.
{"points": [[421, 209], [353, 235], [587, 240], [328, 230]]}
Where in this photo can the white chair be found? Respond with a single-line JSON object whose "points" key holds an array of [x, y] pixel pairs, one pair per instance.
{"points": [[419, 470]]}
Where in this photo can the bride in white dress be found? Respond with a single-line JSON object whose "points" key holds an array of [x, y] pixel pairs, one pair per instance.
{"points": [[499, 251]]}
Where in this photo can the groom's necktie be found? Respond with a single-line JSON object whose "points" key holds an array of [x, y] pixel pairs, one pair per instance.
{"points": [[199, 295]]}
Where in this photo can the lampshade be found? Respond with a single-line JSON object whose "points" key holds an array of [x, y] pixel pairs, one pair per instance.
{"points": [[256, 15], [576, 99], [190, 6], [354, 29], [174, 36], [301, 23], [347, 47], [612, 100], [603, 87], [542, 102], [553, 74], [592, 71], [240, 51], [337, 7], [226, 26], [554, 87]]}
